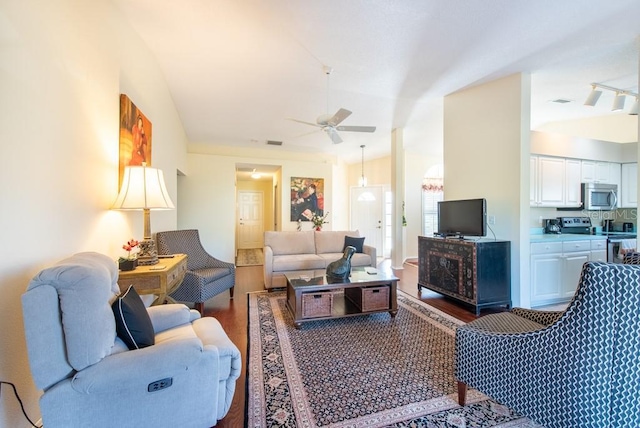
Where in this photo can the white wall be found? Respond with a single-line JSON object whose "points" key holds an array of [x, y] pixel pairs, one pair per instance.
{"points": [[544, 143], [486, 155], [208, 196], [416, 166], [64, 64]]}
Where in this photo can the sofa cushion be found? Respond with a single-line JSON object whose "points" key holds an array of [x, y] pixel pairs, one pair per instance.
{"points": [[133, 324], [354, 242], [297, 262], [358, 259], [283, 243], [332, 241]]}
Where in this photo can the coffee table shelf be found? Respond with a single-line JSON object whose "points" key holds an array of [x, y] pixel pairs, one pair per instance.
{"points": [[301, 282]]}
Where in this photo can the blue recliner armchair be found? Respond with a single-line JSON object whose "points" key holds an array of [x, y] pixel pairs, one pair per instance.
{"points": [[575, 368], [89, 376]]}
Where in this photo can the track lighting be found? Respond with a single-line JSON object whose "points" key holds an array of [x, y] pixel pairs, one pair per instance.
{"points": [[618, 101], [593, 97], [634, 108]]}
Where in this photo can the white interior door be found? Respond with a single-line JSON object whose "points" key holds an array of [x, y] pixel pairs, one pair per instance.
{"points": [[250, 223], [367, 205]]}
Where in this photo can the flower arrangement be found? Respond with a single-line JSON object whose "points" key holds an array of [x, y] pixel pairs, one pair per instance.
{"points": [[129, 246], [319, 220]]}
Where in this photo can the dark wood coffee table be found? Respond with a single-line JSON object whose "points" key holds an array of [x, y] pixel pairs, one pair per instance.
{"points": [[315, 282]]}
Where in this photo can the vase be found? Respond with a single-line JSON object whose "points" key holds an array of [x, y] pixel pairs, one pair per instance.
{"points": [[318, 228], [128, 265]]}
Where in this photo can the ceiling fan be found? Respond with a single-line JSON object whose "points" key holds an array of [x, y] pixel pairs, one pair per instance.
{"points": [[331, 123]]}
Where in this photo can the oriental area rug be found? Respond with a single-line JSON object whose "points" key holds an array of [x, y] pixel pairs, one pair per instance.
{"points": [[362, 371]]}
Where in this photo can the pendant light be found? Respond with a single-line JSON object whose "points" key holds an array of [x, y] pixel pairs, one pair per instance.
{"points": [[366, 195], [362, 182]]}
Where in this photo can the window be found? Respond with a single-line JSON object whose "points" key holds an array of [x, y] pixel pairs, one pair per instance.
{"points": [[430, 201], [432, 193]]}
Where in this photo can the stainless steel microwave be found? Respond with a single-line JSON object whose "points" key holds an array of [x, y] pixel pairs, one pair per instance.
{"points": [[598, 196]]}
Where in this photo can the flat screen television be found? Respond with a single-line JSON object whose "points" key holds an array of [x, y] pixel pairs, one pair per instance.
{"points": [[461, 218]]}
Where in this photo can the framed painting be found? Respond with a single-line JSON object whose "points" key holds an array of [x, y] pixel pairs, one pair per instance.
{"points": [[307, 198], [135, 136]]}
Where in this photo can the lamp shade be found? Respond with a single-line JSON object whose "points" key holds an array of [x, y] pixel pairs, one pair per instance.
{"points": [[143, 188]]}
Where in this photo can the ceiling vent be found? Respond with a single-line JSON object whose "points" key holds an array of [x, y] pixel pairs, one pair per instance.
{"points": [[274, 143], [561, 101]]}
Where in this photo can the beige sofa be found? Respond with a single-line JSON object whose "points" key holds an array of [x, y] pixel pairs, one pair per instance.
{"points": [[299, 251]]}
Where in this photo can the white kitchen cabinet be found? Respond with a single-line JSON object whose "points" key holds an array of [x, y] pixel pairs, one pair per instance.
{"points": [[546, 272], [551, 182], [588, 171], [599, 250], [614, 174], [554, 182], [574, 254], [597, 172], [556, 266], [533, 181], [628, 191], [572, 183]]}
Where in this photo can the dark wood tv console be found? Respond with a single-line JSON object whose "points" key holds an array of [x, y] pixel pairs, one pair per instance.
{"points": [[474, 272]]}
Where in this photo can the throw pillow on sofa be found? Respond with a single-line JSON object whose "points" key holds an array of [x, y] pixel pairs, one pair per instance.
{"points": [[355, 242], [133, 324]]}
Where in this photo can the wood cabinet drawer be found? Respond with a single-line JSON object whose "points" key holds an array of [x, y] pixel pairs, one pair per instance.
{"points": [[546, 247], [570, 246], [600, 244]]}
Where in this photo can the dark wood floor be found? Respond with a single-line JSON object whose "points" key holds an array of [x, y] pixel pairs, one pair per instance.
{"points": [[232, 314]]}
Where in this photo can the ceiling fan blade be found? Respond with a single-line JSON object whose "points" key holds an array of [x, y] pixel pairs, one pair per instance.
{"points": [[356, 128], [306, 123], [306, 133], [331, 132], [341, 115]]}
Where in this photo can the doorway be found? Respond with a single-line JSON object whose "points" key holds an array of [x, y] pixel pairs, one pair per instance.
{"points": [[367, 215], [250, 220]]}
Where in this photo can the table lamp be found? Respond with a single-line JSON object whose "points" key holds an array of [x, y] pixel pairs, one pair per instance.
{"points": [[143, 189]]}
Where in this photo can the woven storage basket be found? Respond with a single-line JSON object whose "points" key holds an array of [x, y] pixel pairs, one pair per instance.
{"points": [[369, 298], [317, 304]]}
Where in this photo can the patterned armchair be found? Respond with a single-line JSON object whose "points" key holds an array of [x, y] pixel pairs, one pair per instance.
{"points": [[631, 258], [577, 368], [206, 276]]}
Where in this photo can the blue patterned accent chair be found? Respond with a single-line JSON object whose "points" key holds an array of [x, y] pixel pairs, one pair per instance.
{"points": [[575, 368], [206, 276], [631, 258]]}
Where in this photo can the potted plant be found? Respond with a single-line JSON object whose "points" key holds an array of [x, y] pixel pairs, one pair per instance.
{"points": [[318, 221], [131, 261]]}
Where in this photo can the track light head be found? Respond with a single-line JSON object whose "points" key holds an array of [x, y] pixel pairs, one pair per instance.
{"points": [[593, 97], [618, 102], [634, 108]]}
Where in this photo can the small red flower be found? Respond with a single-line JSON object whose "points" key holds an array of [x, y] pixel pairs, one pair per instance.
{"points": [[130, 245]]}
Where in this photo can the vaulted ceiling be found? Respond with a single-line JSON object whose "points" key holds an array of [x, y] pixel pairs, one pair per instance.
{"points": [[239, 70]]}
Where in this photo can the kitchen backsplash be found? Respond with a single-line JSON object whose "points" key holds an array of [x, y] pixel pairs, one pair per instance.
{"points": [[619, 216]]}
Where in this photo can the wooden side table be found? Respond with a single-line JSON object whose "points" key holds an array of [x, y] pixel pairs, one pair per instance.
{"points": [[155, 279]]}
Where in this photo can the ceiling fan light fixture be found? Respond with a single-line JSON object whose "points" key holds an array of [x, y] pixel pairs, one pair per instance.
{"points": [[618, 101], [593, 97]]}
